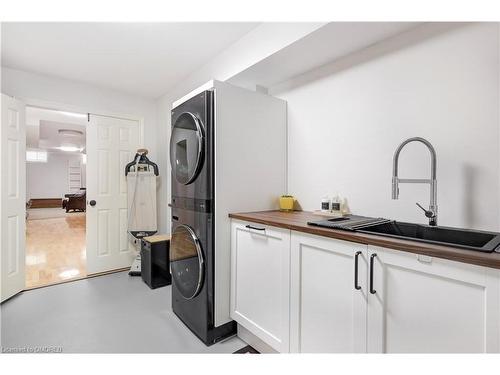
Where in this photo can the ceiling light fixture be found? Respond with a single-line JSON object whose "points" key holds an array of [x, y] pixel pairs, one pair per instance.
{"points": [[73, 114], [69, 148], [70, 132]]}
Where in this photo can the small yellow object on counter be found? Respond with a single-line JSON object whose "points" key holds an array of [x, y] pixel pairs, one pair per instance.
{"points": [[287, 202]]}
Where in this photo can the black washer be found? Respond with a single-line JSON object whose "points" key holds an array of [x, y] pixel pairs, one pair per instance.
{"points": [[192, 248], [186, 261]]}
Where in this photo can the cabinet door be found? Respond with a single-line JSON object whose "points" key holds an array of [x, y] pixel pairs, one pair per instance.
{"points": [[328, 313], [429, 305], [260, 281]]}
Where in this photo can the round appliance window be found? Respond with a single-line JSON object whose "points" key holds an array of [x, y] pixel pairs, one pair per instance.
{"points": [[186, 261], [186, 148]]}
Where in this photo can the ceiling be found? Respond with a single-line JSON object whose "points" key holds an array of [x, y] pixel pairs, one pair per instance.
{"points": [[43, 130], [309, 53], [145, 59]]}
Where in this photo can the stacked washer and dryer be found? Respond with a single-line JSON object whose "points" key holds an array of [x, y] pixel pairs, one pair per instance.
{"points": [[228, 154]]}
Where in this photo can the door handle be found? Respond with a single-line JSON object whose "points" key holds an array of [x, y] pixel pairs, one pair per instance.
{"points": [[372, 258], [356, 286], [92, 203]]}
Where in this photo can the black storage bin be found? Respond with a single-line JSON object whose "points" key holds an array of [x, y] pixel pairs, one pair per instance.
{"points": [[155, 261]]}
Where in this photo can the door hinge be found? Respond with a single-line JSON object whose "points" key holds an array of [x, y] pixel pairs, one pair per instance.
{"points": [[88, 117]]}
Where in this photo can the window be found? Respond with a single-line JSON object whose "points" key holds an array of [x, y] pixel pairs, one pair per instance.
{"points": [[36, 156]]}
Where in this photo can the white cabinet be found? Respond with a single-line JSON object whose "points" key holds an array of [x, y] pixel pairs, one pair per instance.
{"points": [[406, 303], [260, 281], [305, 293], [429, 305], [328, 296]]}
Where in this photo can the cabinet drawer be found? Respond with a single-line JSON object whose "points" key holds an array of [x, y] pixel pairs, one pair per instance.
{"points": [[256, 229]]}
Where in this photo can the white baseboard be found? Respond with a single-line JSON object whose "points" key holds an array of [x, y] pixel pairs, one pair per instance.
{"points": [[254, 341]]}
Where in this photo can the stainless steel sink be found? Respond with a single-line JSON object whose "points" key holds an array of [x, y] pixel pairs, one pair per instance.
{"points": [[462, 238]]}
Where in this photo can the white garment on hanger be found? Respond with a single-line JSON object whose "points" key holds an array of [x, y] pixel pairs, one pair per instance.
{"points": [[142, 201]]}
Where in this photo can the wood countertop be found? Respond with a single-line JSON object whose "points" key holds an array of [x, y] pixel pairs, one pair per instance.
{"points": [[297, 221]]}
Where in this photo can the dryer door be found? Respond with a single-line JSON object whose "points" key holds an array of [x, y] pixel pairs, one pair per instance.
{"points": [[186, 261], [186, 148]]}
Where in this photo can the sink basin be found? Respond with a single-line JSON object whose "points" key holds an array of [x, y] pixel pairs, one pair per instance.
{"points": [[462, 238]]}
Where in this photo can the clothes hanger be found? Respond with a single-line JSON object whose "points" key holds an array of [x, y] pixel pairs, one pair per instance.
{"points": [[143, 159]]}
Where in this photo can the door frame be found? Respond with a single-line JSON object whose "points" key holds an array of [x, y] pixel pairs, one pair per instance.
{"points": [[59, 106], [65, 107]]}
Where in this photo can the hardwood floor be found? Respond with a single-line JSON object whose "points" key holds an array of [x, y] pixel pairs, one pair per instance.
{"points": [[55, 248]]}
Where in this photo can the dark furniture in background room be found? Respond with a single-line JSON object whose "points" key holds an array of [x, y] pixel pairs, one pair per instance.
{"points": [[155, 259], [44, 202], [76, 201]]}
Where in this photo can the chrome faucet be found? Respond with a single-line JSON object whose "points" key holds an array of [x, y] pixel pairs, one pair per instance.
{"points": [[431, 213]]}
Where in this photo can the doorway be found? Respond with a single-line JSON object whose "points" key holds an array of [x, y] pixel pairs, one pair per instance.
{"points": [[56, 158], [79, 230]]}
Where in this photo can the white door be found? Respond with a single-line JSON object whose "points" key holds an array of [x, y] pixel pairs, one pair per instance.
{"points": [[328, 295], [260, 281], [429, 305], [111, 144], [13, 197]]}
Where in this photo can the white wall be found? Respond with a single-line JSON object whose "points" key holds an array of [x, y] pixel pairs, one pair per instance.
{"points": [[50, 179], [258, 44], [83, 97], [261, 42], [345, 123]]}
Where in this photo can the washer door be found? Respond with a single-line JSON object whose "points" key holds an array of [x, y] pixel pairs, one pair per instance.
{"points": [[186, 148], [186, 261]]}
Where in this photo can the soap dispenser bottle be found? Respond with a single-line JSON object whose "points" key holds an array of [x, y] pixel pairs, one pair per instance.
{"points": [[325, 204], [335, 205]]}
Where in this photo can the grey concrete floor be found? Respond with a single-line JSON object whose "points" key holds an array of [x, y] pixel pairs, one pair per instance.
{"points": [[108, 314]]}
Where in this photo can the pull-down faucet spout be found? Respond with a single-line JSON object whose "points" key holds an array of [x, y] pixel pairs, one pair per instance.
{"points": [[431, 213]]}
